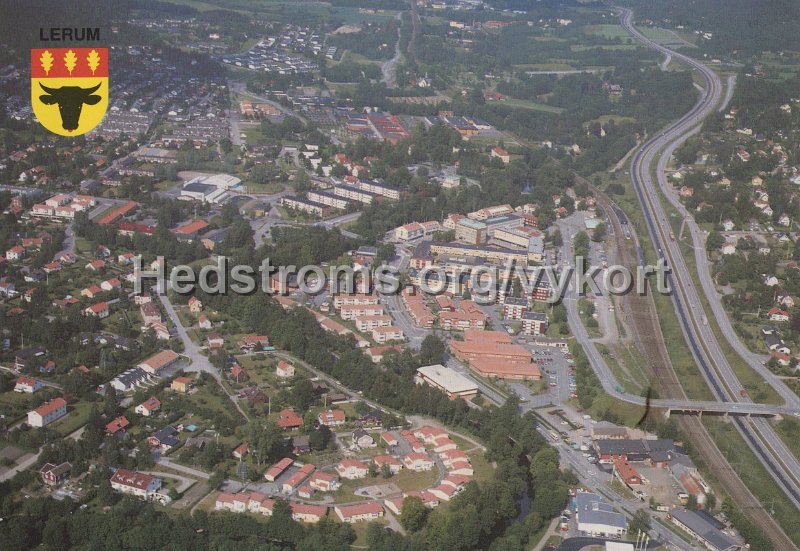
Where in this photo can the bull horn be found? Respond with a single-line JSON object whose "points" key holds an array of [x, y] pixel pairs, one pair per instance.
{"points": [[50, 91], [93, 90]]}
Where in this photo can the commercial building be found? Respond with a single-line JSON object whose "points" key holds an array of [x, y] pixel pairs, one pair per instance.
{"points": [[156, 363], [704, 528], [447, 380], [471, 231], [597, 518]]}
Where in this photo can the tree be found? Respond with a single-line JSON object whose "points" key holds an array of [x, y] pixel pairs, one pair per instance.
{"points": [[714, 241], [413, 514], [599, 232], [640, 522], [386, 471]]}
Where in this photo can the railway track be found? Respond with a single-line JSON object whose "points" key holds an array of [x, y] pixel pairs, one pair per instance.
{"points": [[650, 341]]}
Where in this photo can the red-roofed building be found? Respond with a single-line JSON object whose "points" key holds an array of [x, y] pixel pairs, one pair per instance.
{"points": [[117, 213], [302, 512], [241, 451], [418, 462], [47, 413], [296, 479], [149, 407], [626, 472], [394, 464], [139, 484], [98, 310], [118, 425], [324, 482], [370, 510], [501, 154], [289, 420], [278, 469], [351, 469], [389, 438], [191, 230], [331, 418], [238, 373], [28, 385]]}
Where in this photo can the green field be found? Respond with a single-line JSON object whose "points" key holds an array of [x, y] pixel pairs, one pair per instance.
{"points": [[524, 104]]}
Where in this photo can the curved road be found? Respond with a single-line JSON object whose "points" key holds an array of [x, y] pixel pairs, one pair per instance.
{"points": [[700, 337]]}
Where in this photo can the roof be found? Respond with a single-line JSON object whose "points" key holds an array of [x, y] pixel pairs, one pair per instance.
{"points": [[280, 466], [191, 227], [152, 403], [51, 406], [133, 479], [163, 358], [367, 508], [704, 525], [621, 447], [117, 424], [447, 378]]}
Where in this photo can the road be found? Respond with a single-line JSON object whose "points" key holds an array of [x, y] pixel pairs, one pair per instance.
{"points": [[199, 361], [699, 335], [389, 67], [196, 473]]}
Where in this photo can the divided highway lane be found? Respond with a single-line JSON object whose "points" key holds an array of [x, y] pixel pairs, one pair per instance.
{"points": [[714, 366]]}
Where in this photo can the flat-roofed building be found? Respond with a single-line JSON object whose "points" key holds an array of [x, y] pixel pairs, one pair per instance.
{"points": [[471, 231], [449, 381]]}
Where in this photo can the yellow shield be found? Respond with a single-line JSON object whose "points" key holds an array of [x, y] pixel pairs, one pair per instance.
{"points": [[69, 88]]}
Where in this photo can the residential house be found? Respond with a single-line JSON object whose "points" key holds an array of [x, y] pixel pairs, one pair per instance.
{"points": [[284, 370], [98, 310], [394, 464], [181, 384], [289, 420], [47, 413], [776, 314], [351, 469], [203, 322], [241, 451], [331, 418], [195, 305], [28, 385], [141, 485], [165, 439], [118, 426], [324, 482], [215, 341], [149, 407], [53, 475], [415, 461], [362, 439], [358, 512]]}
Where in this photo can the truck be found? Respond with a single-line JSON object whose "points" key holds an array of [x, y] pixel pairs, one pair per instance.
{"points": [[672, 236]]}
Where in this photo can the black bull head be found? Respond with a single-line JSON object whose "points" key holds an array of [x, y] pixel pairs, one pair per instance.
{"points": [[70, 100]]}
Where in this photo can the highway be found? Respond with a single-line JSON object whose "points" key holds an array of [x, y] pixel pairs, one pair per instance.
{"points": [[699, 335]]}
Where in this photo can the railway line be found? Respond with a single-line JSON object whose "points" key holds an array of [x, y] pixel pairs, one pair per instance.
{"points": [[718, 374]]}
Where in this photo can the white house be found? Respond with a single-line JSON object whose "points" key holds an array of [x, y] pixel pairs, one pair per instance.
{"points": [[47, 413], [138, 484]]}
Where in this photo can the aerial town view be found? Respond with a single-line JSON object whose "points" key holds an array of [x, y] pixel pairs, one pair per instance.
{"points": [[400, 275]]}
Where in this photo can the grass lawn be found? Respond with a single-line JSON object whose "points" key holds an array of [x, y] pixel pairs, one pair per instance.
{"points": [[610, 31], [753, 474], [76, 417], [524, 104], [481, 467], [360, 528]]}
